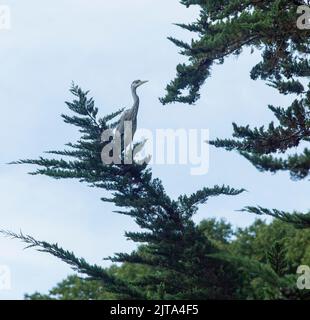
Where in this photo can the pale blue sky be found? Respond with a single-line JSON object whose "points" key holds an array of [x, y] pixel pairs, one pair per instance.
{"points": [[104, 46]]}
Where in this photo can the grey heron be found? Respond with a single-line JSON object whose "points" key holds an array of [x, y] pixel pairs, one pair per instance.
{"points": [[130, 115]]}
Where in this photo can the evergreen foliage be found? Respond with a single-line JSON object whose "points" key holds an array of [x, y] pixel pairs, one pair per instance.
{"points": [[225, 28], [74, 288], [270, 27], [276, 258], [271, 254], [176, 258], [173, 245], [258, 144]]}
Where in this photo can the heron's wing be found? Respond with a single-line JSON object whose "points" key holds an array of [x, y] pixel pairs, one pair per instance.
{"points": [[125, 117]]}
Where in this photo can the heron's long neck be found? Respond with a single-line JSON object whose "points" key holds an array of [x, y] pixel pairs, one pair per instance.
{"points": [[136, 101]]}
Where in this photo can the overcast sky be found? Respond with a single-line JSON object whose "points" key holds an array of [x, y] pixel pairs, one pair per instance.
{"points": [[103, 46]]}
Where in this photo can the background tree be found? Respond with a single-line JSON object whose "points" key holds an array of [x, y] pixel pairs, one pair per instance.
{"points": [[74, 288], [255, 242], [267, 255]]}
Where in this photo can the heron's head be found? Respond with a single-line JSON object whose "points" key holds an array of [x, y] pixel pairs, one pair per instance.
{"points": [[137, 83]]}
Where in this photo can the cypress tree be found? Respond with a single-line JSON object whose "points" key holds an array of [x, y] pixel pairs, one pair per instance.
{"points": [[225, 28], [170, 242]]}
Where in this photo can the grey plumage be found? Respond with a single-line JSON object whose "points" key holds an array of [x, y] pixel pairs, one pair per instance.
{"points": [[131, 114]]}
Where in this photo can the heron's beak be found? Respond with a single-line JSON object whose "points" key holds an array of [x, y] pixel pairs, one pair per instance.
{"points": [[143, 82]]}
